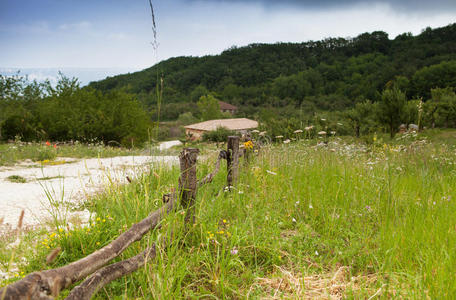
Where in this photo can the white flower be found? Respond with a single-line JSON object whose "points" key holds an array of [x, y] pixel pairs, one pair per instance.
{"points": [[322, 133], [298, 131], [308, 128], [310, 206], [297, 203], [279, 136], [323, 119], [293, 220], [286, 141], [316, 252], [270, 172]]}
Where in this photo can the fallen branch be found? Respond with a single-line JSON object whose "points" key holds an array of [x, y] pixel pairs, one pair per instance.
{"points": [[105, 275], [209, 177], [48, 284]]}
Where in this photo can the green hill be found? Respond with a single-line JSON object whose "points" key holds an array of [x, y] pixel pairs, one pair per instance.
{"points": [[331, 74]]}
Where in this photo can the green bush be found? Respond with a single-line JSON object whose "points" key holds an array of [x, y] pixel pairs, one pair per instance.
{"points": [[219, 135]]}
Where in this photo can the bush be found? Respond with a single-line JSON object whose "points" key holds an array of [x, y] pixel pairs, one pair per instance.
{"points": [[219, 135]]}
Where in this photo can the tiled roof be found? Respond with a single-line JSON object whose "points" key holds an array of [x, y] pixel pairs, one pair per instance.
{"points": [[226, 106]]}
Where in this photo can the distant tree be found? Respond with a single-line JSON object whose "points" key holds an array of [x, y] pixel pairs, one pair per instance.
{"points": [[361, 117], [392, 108], [209, 107]]}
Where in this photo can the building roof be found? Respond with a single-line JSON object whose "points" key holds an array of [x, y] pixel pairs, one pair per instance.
{"points": [[230, 124], [226, 106]]}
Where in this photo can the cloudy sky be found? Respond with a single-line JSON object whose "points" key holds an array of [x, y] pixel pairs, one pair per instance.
{"points": [[118, 33]]}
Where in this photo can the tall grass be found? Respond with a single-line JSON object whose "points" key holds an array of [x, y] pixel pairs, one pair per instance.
{"points": [[305, 221]]}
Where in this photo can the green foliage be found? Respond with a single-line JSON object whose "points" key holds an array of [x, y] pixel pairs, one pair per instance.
{"points": [[35, 111], [327, 75], [220, 135], [392, 109], [209, 108]]}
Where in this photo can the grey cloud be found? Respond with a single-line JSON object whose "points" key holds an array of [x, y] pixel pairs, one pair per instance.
{"points": [[401, 5]]}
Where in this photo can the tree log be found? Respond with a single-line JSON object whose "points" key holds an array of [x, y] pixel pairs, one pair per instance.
{"points": [[105, 275]]}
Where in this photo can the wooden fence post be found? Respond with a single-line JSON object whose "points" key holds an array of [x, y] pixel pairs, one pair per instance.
{"points": [[232, 160], [188, 182]]}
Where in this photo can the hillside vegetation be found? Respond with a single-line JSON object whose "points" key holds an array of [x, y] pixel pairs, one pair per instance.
{"points": [[359, 86], [328, 75]]}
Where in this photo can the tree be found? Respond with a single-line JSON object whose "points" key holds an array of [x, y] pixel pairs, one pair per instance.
{"points": [[392, 108], [209, 107], [361, 117]]}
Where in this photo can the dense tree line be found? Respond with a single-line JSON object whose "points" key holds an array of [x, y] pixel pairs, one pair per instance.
{"points": [[353, 86], [328, 75], [33, 111]]}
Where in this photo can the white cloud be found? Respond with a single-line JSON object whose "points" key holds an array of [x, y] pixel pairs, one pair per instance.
{"points": [[119, 36], [83, 25]]}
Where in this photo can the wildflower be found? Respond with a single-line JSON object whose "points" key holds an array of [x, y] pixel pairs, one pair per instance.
{"points": [[368, 208], [298, 131], [224, 221], [270, 172], [322, 133], [47, 143], [316, 253], [234, 251], [323, 120], [308, 128], [98, 219], [241, 192], [310, 206], [55, 146], [279, 137], [293, 220], [286, 141], [248, 145]]}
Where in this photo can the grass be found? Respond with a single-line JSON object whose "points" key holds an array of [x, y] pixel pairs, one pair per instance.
{"points": [[305, 221], [12, 153], [16, 179]]}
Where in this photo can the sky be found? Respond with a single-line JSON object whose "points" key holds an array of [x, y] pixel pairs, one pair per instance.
{"points": [[117, 34]]}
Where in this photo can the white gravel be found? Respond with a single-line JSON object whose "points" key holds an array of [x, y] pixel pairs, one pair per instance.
{"points": [[69, 182]]}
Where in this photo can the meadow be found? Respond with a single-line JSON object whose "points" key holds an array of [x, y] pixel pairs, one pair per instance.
{"points": [[306, 220]]}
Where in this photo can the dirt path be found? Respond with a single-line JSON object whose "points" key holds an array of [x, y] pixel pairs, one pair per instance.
{"points": [[67, 182]]}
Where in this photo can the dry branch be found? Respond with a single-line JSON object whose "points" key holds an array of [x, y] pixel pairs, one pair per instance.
{"points": [[48, 284], [105, 275], [209, 177]]}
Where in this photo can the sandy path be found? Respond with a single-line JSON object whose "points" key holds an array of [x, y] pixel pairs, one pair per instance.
{"points": [[66, 182]]}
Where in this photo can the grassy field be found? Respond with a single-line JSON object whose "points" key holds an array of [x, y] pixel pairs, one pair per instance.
{"points": [[346, 220]]}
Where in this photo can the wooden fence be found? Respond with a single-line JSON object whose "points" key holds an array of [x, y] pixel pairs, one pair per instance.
{"points": [[93, 269]]}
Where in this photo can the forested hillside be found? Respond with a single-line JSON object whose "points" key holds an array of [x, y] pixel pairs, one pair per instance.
{"points": [[329, 75]]}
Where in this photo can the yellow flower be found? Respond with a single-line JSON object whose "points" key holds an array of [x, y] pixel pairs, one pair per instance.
{"points": [[61, 230], [224, 221], [98, 219], [248, 145]]}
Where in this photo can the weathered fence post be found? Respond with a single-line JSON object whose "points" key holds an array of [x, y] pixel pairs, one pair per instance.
{"points": [[188, 182], [232, 160]]}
